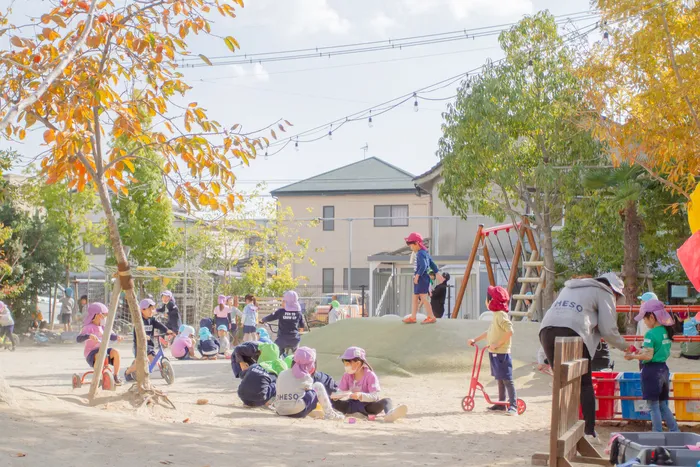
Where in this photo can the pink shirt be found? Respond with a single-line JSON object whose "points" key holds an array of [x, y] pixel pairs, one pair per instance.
{"points": [[90, 344], [222, 313], [369, 383], [181, 346]]}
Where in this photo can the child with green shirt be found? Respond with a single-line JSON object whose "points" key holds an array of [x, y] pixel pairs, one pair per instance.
{"points": [[655, 351], [498, 337]]}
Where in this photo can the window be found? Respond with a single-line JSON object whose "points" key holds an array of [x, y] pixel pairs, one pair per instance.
{"points": [[328, 213], [398, 216], [328, 285], [360, 277]]}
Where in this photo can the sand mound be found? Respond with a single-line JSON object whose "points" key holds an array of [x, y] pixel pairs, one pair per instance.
{"points": [[6, 395], [401, 349]]}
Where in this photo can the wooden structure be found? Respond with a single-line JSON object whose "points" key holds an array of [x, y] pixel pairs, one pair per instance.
{"points": [[530, 280], [567, 444]]}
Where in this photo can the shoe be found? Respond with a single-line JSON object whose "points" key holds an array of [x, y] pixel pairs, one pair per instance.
{"points": [[512, 412], [409, 320], [334, 416], [117, 381], [497, 408], [129, 377], [429, 320], [396, 414], [593, 439]]}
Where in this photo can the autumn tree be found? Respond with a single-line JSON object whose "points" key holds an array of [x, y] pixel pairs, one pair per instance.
{"points": [[644, 87], [512, 143], [128, 45]]}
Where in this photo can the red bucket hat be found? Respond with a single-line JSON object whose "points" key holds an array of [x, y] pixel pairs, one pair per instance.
{"points": [[499, 298], [415, 237]]}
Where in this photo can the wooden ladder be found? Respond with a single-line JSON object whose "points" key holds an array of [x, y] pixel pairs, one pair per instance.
{"points": [[533, 278]]}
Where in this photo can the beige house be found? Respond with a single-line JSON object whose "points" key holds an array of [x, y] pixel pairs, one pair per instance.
{"points": [[366, 207]]}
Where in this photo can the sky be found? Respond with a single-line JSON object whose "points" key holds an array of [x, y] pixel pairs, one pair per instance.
{"points": [[311, 92]]}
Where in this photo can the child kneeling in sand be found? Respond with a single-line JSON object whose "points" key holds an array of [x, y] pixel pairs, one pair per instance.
{"points": [[499, 337], [92, 334], [297, 394], [259, 380], [208, 346], [360, 386]]}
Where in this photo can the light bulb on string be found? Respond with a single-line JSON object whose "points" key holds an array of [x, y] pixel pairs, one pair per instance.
{"points": [[415, 102], [530, 66], [369, 122], [296, 145], [606, 38], [265, 155], [330, 133]]}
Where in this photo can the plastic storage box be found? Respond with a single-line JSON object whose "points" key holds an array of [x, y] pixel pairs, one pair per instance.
{"points": [[604, 384], [687, 385], [636, 445], [631, 386]]}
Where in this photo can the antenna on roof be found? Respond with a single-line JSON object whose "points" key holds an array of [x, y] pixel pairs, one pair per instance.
{"points": [[365, 148]]}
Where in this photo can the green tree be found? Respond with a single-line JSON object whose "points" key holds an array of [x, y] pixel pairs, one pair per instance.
{"points": [[146, 213], [512, 142]]}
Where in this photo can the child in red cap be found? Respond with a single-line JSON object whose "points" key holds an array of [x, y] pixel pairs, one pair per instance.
{"points": [[421, 279], [499, 337]]}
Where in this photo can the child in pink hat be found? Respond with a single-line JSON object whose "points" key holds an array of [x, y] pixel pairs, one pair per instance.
{"points": [[360, 389], [92, 334], [291, 323], [421, 279], [655, 351]]}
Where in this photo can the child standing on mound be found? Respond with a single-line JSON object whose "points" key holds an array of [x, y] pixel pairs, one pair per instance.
{"points": [[363, 385], [92, 334], [499, 337], [655, 351], [421, 279], [291, 323], [297, 394]]}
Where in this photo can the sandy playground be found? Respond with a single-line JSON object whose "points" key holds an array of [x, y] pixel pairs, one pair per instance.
{"points": [[45, 422]]}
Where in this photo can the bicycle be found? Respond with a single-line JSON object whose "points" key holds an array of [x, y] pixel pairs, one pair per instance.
{"points": [[161, 362], [9, 343], [106, 381]]}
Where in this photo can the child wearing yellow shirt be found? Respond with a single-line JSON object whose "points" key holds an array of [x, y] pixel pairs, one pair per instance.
{"points": [[499, 337]]}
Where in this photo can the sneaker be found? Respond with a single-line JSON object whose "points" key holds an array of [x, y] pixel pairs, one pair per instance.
{"points": [[117, 381], [129, 377], [334, 416], [593, 439], [512, 412], [497, 408], [396, 414], [409, 320]]}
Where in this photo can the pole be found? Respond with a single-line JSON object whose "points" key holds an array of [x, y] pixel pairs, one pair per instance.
{"points": [[449, 298], [362, 299], [350, 261], [467, 271], [100, 359], [184, 290]]}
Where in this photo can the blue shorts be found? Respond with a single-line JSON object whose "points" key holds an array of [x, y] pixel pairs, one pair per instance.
{"points": [[655, 381], [423, 285], [249, 329], [269, 394], [501, 365], [150, 349], [311, 400], [91, 357]]}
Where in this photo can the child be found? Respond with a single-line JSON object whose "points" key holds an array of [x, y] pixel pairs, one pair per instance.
{"points": [[335, 314], [67, 305], [7, 324], [222, 314], [297, 394], [224, 342], [150, 325], [363, 385], [691, 327], [208, 346], [499, 337], [182, 347], [247, 353], [263, 336], [259, 380], [291, 323], [421, 279], [249, 315], [172, 311], [645, 297], [655, 351], [92, 333]]}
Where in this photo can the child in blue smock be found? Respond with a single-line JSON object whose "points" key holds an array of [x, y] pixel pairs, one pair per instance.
{"points": [[421, 279], [291, 323]]}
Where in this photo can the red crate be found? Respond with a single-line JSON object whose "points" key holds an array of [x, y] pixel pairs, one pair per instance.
{"points": [[604, 384]]}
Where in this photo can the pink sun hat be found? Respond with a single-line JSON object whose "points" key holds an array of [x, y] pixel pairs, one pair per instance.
{"points": [[415, 237], [656, 307]]}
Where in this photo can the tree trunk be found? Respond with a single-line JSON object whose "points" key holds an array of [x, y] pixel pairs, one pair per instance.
{"points": [[547, 251], [630, 268], [127, 285]]}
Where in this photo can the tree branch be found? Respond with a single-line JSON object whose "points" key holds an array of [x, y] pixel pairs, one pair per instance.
{"points": [[662, 180], [55, 73]]}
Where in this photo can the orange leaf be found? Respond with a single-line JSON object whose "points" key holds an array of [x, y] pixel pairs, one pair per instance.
{"points": [[130, 165], [124, 190], [17, 42], [49, 136]]}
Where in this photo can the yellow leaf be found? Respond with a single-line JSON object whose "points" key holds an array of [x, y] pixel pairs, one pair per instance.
{"points": [[205, 59], [45, 19], [124, 190], [130, 165], [203, 199], [22, 134], [192, 105], [216, 187], [231, 43], [49, 136]]}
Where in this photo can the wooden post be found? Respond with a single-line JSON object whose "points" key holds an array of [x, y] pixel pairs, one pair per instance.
{"points": [[489, 268], [516, 259], [468, 271], [100, 358]]}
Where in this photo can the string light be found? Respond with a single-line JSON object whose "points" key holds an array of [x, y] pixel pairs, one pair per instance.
{"points": [[606, 38], [530, 66], [296, 145], [265, 155], [415, 102], [330, 133], [369, 122]]}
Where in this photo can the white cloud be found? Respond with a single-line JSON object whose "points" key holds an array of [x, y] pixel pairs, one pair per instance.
{"points": [[461, 9], [312, 16], [381, 23], [256, 73]]}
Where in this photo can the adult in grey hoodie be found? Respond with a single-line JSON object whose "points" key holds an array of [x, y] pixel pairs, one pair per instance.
{"points": [[585, 308]]}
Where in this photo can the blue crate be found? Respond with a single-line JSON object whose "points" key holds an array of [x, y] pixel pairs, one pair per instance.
{"points": [[631, 386]]}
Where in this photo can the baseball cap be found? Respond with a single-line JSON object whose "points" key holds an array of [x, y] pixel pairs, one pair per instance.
{"points": [[146, 303], [615, 282], [646, 296]]}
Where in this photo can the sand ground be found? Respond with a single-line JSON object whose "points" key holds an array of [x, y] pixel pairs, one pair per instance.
{"points": [[45, 422]]}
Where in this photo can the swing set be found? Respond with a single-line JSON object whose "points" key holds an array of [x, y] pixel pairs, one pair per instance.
{"points": [[491, 243]]}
